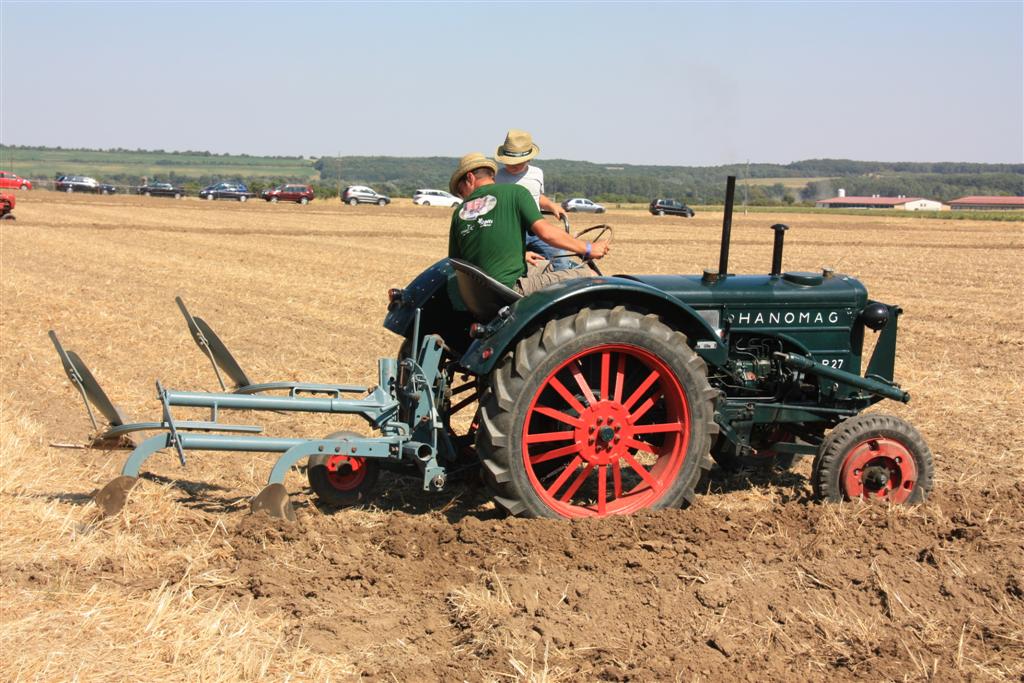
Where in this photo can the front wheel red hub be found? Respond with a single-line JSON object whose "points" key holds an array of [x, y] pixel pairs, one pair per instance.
{"points": [[606, 432], [879, 469]]}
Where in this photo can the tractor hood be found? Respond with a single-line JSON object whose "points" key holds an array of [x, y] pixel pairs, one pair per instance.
{"points": [[758, 291]]}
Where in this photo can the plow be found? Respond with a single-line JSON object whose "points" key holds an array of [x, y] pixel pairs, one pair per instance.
{"points": [[596, 396]]}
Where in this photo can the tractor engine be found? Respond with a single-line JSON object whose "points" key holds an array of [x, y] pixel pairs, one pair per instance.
{"points": [[751, 366]]}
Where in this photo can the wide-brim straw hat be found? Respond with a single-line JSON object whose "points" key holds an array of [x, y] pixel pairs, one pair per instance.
{"points": [[470, 162], [518, 148]]}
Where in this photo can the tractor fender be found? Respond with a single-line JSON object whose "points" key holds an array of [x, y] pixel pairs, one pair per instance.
{"points": [[530, 312]]}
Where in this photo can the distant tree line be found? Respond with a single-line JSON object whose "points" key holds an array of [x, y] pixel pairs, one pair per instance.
{"points": [[139, 150], [927, 185], [401, 176], [701, 185]]}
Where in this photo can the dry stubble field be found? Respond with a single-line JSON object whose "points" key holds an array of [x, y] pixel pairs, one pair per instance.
{"points": [[754, 582]]}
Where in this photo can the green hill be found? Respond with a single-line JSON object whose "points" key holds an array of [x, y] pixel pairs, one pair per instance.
{"points": [[760, 184]]}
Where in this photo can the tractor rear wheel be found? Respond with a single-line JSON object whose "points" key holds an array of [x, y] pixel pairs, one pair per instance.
{"points": [[604, 412], [876, 458], [342, 480]]}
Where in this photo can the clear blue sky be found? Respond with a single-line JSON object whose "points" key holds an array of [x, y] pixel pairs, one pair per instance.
{"points": [[671, 83]]}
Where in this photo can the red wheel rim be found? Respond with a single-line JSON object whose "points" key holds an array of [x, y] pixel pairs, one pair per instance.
{"points": [[346, 473], [880, 470], [613, 412]]}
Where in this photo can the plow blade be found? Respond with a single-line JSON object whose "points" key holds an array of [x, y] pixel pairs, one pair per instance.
{"points": [[93, 395], [274, 501], [214, 349], [112, 497]]}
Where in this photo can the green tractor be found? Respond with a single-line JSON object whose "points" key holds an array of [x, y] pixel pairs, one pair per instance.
{"points": [[606, 395], [596, 396]]}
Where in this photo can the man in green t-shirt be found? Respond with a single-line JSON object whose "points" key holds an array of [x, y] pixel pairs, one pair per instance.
{"points": [[489, 228]]}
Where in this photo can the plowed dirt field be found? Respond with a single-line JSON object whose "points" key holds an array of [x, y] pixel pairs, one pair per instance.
{"points": [[755, 582]]}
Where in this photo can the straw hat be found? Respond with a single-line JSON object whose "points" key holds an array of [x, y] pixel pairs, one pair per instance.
{"points": [[518, 148], [470, 162]]}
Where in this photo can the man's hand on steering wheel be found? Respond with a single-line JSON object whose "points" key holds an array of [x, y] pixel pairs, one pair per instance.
{"points": [[600, 249]]}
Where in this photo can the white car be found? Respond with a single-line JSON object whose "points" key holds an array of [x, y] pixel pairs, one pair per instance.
{"points": [[435, 198], [580, 204]]}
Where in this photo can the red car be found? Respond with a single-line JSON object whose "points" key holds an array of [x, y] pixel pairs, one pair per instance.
{"points": [[13, 181], [303, 194], [6, 206]]}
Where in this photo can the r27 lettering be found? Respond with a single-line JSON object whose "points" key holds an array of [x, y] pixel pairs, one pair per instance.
{"points": [[836, 363]]}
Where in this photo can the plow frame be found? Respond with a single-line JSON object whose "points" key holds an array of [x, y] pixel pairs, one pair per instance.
{"points": [[405, 407]]}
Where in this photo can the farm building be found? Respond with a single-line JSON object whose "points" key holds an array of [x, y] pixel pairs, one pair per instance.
{"points": [[987, 203], [876, 202]]}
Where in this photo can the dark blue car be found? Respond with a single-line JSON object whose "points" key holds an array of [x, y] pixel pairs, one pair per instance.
{"points": [[236, 191]]}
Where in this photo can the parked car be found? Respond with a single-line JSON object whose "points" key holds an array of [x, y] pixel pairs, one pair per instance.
{"points": [[435, 198], [6, 206], [303, 194], [581, 204], [161, 190], [360, 194], [236, 191], [672, 207], [14, 181], [81, 183]]}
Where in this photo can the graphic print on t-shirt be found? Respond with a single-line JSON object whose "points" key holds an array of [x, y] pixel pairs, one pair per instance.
{"points": [[475, 208]]}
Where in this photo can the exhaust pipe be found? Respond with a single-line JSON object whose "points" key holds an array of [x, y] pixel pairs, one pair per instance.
{"points": [[723, 257], [780, 234]]}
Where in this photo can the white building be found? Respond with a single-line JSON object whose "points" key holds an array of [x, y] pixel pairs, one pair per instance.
{"points": [[876, 202]]}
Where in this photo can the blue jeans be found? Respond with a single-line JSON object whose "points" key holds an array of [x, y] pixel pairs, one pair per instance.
{"points": [[536, 244]]}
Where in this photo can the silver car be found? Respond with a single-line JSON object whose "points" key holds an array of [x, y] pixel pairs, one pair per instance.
{"points": [[581, 204], [361, 194]]}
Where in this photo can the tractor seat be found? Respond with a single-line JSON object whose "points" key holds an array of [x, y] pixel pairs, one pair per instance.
{"points": [[483, 295]]}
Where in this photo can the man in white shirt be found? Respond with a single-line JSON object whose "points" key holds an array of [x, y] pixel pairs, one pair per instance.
{"points": [[515, 154]]}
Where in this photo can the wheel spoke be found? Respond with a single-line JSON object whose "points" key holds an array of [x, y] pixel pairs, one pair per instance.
{"points": [[463, 403], [643, 408], [553, 454], [582, 382], [577, 482], [658, 428], [606, 362], [639, 445], [644, 474], [602, 489], [564, 393], [464, 387], [548, 436], [642, 389], [569, 469], [620, 378], [560, 416], [616, 479]]}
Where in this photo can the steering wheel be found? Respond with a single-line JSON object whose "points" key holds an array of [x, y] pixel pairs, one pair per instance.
{"points": [[591, 234]]}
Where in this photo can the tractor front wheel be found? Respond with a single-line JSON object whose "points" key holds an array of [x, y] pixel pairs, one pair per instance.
{"points": [[604, 412], [340, 480], [876, 458]]}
